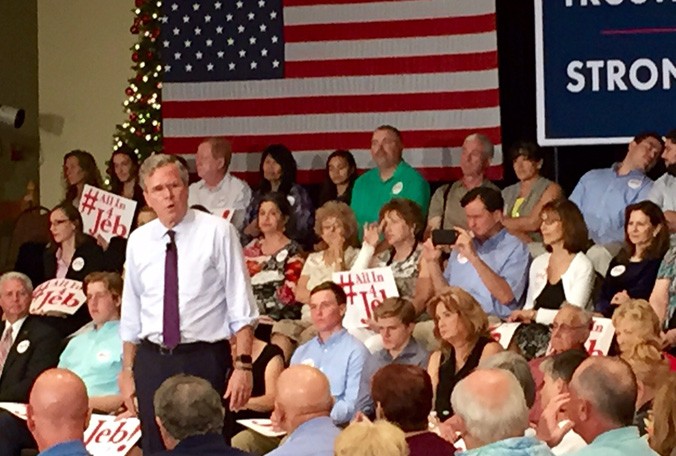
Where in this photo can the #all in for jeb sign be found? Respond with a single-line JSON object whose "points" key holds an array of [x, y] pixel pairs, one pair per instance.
{"points": [[57, 296], [365, 291], [106, 214]]}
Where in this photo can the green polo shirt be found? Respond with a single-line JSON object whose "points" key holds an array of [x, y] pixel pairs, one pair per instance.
{"points": [[370, 192]]}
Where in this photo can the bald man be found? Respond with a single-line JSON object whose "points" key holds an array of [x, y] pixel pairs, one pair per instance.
{"points": [[58, 413], [492, 415], [302, 408], [602, 407]]}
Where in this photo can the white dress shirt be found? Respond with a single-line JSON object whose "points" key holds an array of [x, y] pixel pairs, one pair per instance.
{"points": [[230, 193], [215, 297]]}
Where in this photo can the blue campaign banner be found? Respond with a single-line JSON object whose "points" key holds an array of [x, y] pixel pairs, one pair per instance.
{"points": [[606, 69]]}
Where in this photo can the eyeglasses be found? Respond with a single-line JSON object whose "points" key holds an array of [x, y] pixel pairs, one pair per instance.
{"points": [[564, 327]]}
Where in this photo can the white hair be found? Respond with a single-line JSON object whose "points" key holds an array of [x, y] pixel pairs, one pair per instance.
{"points": [[517, 365], [489, 420], [486, 143], [13, 275], [156, 161]]}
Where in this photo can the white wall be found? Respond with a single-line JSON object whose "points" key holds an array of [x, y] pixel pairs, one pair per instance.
{"points": [[84, 62]]}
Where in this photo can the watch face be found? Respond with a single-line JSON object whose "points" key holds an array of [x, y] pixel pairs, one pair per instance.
{"points": [[244, 359]]}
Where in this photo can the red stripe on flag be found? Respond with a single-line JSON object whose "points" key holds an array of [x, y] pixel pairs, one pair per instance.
{"points": [[329, 141], [331, 104], [478, 61], [445, 26], [288, 3]]}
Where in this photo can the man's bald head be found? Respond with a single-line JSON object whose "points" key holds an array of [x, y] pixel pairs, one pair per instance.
{"points": [[58, 408], [303, 389]]}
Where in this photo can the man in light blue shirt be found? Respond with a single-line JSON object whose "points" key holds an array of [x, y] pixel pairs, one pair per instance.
{"points": [[340, 356], [663, 192], [302, 406], [602, 406], [486, 261]]}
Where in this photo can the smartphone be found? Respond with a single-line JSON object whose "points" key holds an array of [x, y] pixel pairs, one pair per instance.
{"points": [[444, 237]]}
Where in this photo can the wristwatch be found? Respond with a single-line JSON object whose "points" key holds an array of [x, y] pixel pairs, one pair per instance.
{"points": [[244, 359]]}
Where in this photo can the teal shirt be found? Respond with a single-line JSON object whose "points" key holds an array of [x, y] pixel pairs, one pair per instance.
{"points": [[618, 442], [370, 192], [96, 357]]}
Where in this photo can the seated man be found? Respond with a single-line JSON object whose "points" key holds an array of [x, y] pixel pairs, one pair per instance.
{"points": [[392, 178], [340, 356], [486, 261], [27, 348], [395, 319], [663, 192], [302, 408], [218, 190], [603, 194], [190, 413], [445, 210]]}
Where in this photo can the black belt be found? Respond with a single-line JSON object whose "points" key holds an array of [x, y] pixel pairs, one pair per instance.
{"points": [[181, 348]]}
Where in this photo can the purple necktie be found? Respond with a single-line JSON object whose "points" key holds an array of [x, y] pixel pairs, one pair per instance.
{"points": [[171, 329]]}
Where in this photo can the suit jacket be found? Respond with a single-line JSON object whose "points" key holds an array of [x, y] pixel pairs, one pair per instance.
{"points": [[37, 347], [203, 445]]}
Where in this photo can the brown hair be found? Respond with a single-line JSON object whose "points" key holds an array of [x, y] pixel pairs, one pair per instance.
{"points": [[337, 290], [575, 233], [396, 307], [660, 243], [469, 311], [74, 216], [345, 216], [408, 210], [92, 175], [663, 438], [111, 280]]}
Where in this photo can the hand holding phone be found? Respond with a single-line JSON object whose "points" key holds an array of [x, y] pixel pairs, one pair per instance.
{"points": [[444, 237]]}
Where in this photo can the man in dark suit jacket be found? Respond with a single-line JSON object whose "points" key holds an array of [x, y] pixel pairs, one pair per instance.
{"points": [[189, 413], [27, 348]]}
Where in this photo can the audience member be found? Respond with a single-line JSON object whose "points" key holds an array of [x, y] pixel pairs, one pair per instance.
{"points": [[123, 174], [218, 190], [603, 194], [662, 425], [302, 408], [562, 274], [445, 209], [278, 174], [518, 366], [530, 341], [403, 395], [553, 427], [79, 169], [189, 414], [663, 192], [492, 415], [391, 178], [632, 273], [602, 406], [366, 438], [340, 356], [341, 173], [487, 261], [525, 200], [462, 328], [96, 355], [395, 319], [635, 322], [663, 299], [58, 413], [27, 348]]}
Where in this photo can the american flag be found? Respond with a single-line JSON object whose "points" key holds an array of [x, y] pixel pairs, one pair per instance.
{"points": [[320, 75]]}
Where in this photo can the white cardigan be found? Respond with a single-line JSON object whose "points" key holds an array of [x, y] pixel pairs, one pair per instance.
{"points": [[578, 281]]}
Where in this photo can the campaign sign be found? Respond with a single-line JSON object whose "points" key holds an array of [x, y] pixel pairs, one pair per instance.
{"points": [[57, 296], [606, 69], [365, 291], [504, 333], [106, 214], [601, 337], [18, 410], [107, 435]]}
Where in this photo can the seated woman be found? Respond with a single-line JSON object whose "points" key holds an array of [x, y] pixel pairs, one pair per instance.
{"points": [[662, 425], [96, 356], [663, 299], [632, 273], [341, 172], [564, 273], [274, 263], [71, 255], [461, 325], [525, 200], [123, 173], [79, 168], [278, 174]]}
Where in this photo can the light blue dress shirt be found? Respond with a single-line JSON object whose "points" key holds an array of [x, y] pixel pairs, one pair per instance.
{"points": [[96, 357], [507, 256], [215, 298], [624, 441], [69, 448], [312, 438], [602, 196], [349, 367], [517, 446]]}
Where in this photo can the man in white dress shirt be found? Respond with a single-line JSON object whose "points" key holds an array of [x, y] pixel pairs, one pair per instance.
{"points": [[219, 191], [186, 293]]}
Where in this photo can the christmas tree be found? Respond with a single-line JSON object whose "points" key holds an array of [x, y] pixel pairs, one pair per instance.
{"points": [[142, 131]]}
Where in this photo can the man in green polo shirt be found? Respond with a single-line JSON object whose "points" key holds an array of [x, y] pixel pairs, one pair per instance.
{"points": [[392, 178]]}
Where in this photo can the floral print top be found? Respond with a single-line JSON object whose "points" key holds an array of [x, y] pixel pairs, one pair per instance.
{"points": [[668, 271], [274, 278], [405, 272]]}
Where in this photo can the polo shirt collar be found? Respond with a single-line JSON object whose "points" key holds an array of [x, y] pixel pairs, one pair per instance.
{"points": [[397, 172], [492, 241]]}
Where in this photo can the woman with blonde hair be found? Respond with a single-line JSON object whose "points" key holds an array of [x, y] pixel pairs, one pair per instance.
{"points": [[662, 429], [366, 438], [461, 326]]}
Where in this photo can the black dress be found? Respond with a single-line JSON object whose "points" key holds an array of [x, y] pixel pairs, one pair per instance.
{"points": [[448, 377]]}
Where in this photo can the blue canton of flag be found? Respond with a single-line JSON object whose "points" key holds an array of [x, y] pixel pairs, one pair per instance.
{"points": [[224, 40]]}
